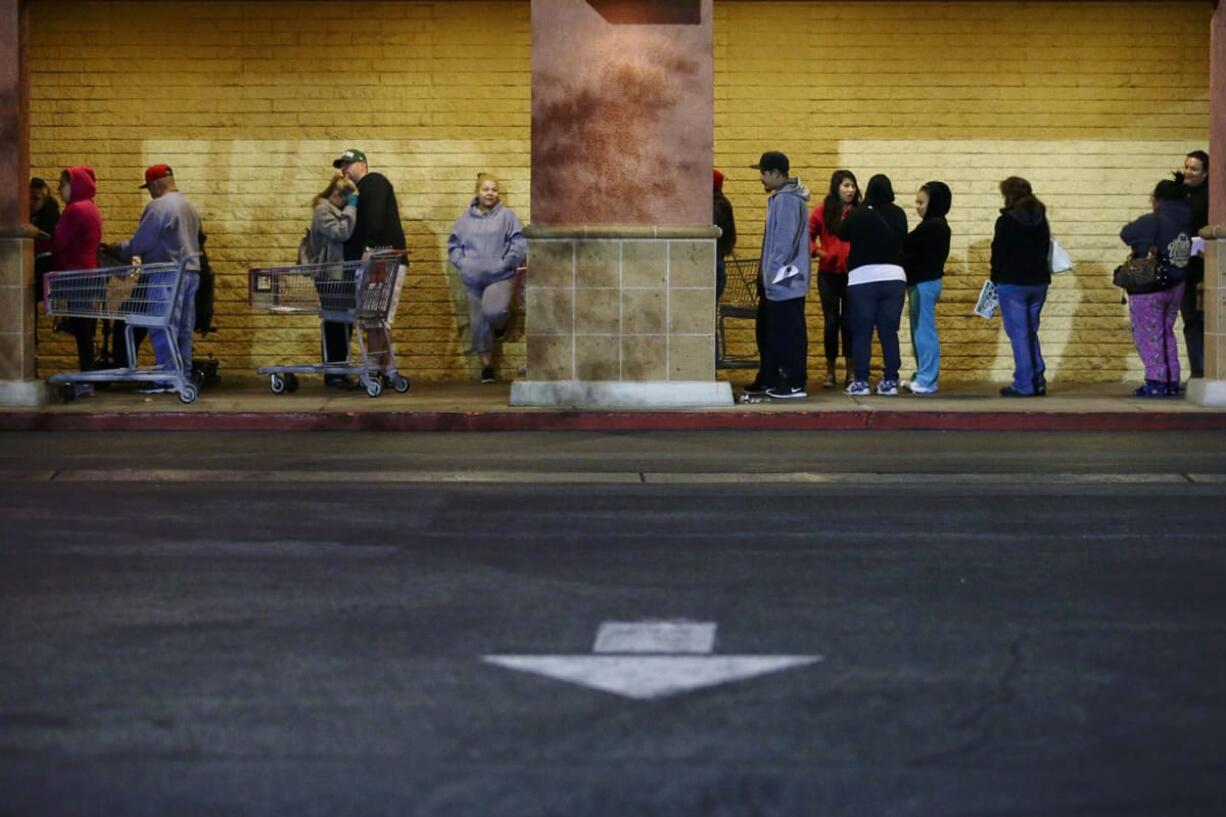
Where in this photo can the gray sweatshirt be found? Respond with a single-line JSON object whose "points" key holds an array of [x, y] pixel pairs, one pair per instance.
{"points": [[787, 217], [169, 227], [330, 229], [486, 247]]}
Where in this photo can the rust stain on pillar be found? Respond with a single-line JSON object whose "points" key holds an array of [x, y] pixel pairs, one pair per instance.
{"points": [[621, 112]]}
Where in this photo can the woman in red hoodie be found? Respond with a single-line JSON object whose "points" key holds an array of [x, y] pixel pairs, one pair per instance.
{"points": [[75, 246], [831, 252]]}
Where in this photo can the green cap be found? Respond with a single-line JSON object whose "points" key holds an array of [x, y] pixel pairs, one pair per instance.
{"points": [[351, 155]]}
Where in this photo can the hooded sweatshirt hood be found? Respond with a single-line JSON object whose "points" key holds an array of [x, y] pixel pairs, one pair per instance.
{"points": [[879, 191], [1028, 212], [84, 186], [940, 199], [79, 231], [795, 187]]}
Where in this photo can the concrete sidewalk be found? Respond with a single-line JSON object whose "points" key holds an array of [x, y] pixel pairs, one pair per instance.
{"points": [[247, 404]]}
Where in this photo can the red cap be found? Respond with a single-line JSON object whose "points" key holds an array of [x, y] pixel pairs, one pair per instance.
{"points": [[719, 180], [155, 172]]}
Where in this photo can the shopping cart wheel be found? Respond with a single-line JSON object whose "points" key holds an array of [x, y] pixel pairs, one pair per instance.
{"points": [[188, 394], [291, 382], [374, 387], [400, 383], [276, 383]]}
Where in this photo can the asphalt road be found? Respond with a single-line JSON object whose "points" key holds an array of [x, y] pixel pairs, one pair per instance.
{"points": [[1028, 624]]}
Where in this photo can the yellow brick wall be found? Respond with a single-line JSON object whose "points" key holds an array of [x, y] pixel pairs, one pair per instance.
{"points": [[249, 101], [1094, 102]]}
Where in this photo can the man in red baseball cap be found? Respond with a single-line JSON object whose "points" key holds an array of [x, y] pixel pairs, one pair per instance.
{"points": [[169, 230]]}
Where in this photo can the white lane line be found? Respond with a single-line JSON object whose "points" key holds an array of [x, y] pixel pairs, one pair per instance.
{"points": [[393, 476], [896, 478], [646, 637], [356, 477]]}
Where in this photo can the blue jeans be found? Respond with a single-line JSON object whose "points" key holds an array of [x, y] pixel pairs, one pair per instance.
{"points": [[1020, 307], [922, 301], [876, 306], [185, 317]]}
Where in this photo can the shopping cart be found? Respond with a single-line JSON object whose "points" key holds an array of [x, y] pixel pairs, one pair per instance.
{"points": [[140, 295], [360, 294], [740, 301]]}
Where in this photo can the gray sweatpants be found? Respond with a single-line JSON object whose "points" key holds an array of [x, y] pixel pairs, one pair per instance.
{"points": [[489, 311]]}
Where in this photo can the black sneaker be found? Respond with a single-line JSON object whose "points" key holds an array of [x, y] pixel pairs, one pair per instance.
{"points": [[500, 335], [787, 393], [487, 375], [756, 389], [340, 381]]}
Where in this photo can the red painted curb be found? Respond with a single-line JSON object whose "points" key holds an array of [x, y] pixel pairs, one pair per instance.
{"points": [[614, 421]]}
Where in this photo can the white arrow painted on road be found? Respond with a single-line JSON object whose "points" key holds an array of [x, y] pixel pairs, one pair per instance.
{"points": [[652, 659]]}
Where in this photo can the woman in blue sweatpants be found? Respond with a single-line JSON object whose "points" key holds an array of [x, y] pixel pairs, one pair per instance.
{"points": [[924, 253]]}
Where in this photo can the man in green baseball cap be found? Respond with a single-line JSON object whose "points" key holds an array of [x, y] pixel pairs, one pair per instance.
{"points": [[349, 157]]}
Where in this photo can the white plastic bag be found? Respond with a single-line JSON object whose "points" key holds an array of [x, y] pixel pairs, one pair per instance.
{"points": [[1058, 260]]}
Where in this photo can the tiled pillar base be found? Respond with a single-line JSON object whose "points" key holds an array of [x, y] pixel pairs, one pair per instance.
{"points": [[17, 384], [621, 316], [1211, 391]]}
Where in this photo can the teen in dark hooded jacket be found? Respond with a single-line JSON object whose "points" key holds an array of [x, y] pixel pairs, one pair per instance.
{"points": [[1021, 272], [923, 257], [876, 283], [75, 246], [1168, 228]]}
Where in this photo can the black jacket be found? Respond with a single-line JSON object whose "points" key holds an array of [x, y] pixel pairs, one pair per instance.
{"points": [[1020, 247], [926, 249], [1198, 201], [726, 221], [876, 233], [875, 229], [378, 224]]}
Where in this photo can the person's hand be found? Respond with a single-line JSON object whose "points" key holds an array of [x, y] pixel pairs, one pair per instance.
{"points": [[819, 254]]}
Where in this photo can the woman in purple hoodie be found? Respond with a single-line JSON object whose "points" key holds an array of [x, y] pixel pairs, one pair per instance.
{"points": [[487, 245]]}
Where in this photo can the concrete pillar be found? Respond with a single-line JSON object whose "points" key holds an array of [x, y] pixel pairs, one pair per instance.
{"points": [[621, 251], [1211, 391], [17, 384]]}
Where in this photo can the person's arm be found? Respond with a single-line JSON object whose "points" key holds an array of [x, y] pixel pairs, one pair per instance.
{"points": [[144, 240], [455, 246], [333, 226], [517, 246], [1139, 234], [374, 204], [997, 246], [816, 222], [789, 220], [846, 228]]}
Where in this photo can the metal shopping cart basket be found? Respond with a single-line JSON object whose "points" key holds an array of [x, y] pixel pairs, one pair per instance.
{"points": [[141, 295], [360, 294], [739, 301]]}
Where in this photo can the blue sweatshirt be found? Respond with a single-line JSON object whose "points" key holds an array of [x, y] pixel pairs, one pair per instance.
{"points": [[169, 228], [787, 217], [486, 247]]}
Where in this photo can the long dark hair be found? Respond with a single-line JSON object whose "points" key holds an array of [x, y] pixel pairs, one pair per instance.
{"points": [[832, 211], [1019, 194]]}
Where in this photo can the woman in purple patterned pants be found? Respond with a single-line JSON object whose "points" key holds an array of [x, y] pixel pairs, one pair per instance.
{"points": [[1167, 230]]}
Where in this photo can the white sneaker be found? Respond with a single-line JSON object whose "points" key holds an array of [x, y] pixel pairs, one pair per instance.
{"points": [[858, 388], [916, 388], [888, 388]]}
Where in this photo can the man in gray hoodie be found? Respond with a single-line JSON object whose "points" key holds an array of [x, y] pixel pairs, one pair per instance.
{"points": [[169, 230], [783, 281]]}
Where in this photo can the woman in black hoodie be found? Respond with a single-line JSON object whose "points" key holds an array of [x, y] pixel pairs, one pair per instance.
{"points": [[1021, 272], [876, 283], [923, 256]]}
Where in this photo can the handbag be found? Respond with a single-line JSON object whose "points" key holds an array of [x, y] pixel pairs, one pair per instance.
{"points": [[1142, 276]]}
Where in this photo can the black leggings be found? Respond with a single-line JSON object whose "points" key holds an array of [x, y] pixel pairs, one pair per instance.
{"points": [[83, 330], [832, 287]]}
